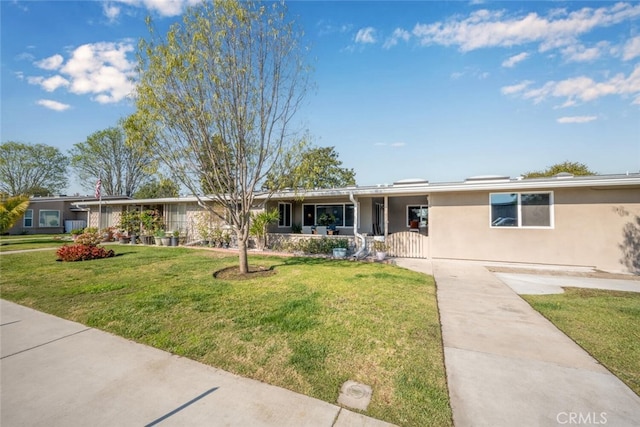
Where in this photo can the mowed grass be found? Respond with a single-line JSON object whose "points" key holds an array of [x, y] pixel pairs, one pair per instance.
{"points": [[604, 323], [309, 328], [36, 241]]}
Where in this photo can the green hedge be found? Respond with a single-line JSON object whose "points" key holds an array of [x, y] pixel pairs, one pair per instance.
{"points": [[323, 245]]}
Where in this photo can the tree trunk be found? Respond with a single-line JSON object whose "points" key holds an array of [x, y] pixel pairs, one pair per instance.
{"points": [[242, 256]]}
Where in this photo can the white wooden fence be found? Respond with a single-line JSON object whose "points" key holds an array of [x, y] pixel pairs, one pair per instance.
{"points": [[407, 244]]}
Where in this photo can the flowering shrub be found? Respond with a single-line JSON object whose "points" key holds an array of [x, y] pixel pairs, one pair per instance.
{"points": [[89, 239], [82, 253], [108, 233]]}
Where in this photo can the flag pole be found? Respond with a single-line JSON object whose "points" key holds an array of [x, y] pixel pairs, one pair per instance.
{"points": [[99, 197]]}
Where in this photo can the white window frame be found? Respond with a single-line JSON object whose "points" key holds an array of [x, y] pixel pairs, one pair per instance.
{"points": [[40, 217], [408, 221], [282, 222], [519, 211], [28, 215]]}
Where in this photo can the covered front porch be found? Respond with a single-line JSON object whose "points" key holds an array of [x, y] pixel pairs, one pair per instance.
{"points": [[403, 220]]}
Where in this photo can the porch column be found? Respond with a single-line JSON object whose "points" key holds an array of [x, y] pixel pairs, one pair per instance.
{"points": [[386, 217]]}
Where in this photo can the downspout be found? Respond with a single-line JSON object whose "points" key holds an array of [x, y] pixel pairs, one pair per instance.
{"points": [[362, 252]]}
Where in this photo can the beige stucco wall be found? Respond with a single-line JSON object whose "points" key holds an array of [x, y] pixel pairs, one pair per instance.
{"points": [[61, 205], [588, 231]]}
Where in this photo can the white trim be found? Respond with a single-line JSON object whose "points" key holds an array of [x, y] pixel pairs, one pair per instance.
{"points": [[24, 218], [507, 185]]}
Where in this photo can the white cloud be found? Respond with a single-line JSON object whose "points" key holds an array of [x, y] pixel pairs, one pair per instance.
{"points": [[484, 28], [327, 28], [472, 72], [50, 63], [512, 61], [53, 83], [579, 53], [577, 119], [581, 89], [25, 56], [398, 34], [631, 49], [393, 144], [111, 11], [49, 84], [162, 7], [513, 89], [53, 105], [366, 35], [20, 5], [101, 69]]}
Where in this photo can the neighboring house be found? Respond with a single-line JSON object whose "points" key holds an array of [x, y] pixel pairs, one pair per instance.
{"points": [[178, 213], [53, 215], [585, 221]]}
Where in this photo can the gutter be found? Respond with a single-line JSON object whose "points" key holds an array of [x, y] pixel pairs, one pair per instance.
{"points": [[363, 251]]}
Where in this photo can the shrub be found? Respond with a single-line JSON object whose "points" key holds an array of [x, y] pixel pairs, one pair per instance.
{"points": [[82, 253], [314, 246], [89, 239], [107, 234]]}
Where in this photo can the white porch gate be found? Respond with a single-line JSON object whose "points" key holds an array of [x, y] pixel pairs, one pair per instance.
{"points": [[407, 244]]}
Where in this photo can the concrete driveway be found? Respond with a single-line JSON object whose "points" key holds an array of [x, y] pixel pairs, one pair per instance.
{"points": [[542, 284]]}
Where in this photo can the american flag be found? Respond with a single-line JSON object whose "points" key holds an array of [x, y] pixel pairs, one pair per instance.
{"points": [[98, 188]]}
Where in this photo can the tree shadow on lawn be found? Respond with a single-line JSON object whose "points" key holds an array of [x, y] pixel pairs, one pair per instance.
{"points": [[315, 261], [258, 271]]}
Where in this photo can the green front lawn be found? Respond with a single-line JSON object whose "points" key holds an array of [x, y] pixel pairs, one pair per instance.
{"points": [[33, 241], [310, 327], [604, 323]]}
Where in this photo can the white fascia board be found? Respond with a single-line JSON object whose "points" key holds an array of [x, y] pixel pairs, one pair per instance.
{"points": [[412, 189], [514, 185], [168, 200]]}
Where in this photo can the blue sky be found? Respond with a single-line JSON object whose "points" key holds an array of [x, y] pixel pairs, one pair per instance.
{"points": [[421, 89]]}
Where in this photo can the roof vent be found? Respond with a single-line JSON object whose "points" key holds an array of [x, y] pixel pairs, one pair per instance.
{"points": [[412, 181], [563, 175], [487, 178]]}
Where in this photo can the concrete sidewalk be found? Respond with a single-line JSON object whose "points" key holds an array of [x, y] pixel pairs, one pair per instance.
{"points": [[59, 373], [509, 366]]}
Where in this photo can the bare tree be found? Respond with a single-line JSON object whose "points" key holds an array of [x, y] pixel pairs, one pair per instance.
{"points": [[216, 99], [122, 168]]}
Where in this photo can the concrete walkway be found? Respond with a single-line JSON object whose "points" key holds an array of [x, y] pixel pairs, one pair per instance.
{"points": [[509, 366], [59, 373], [536, 284]]}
